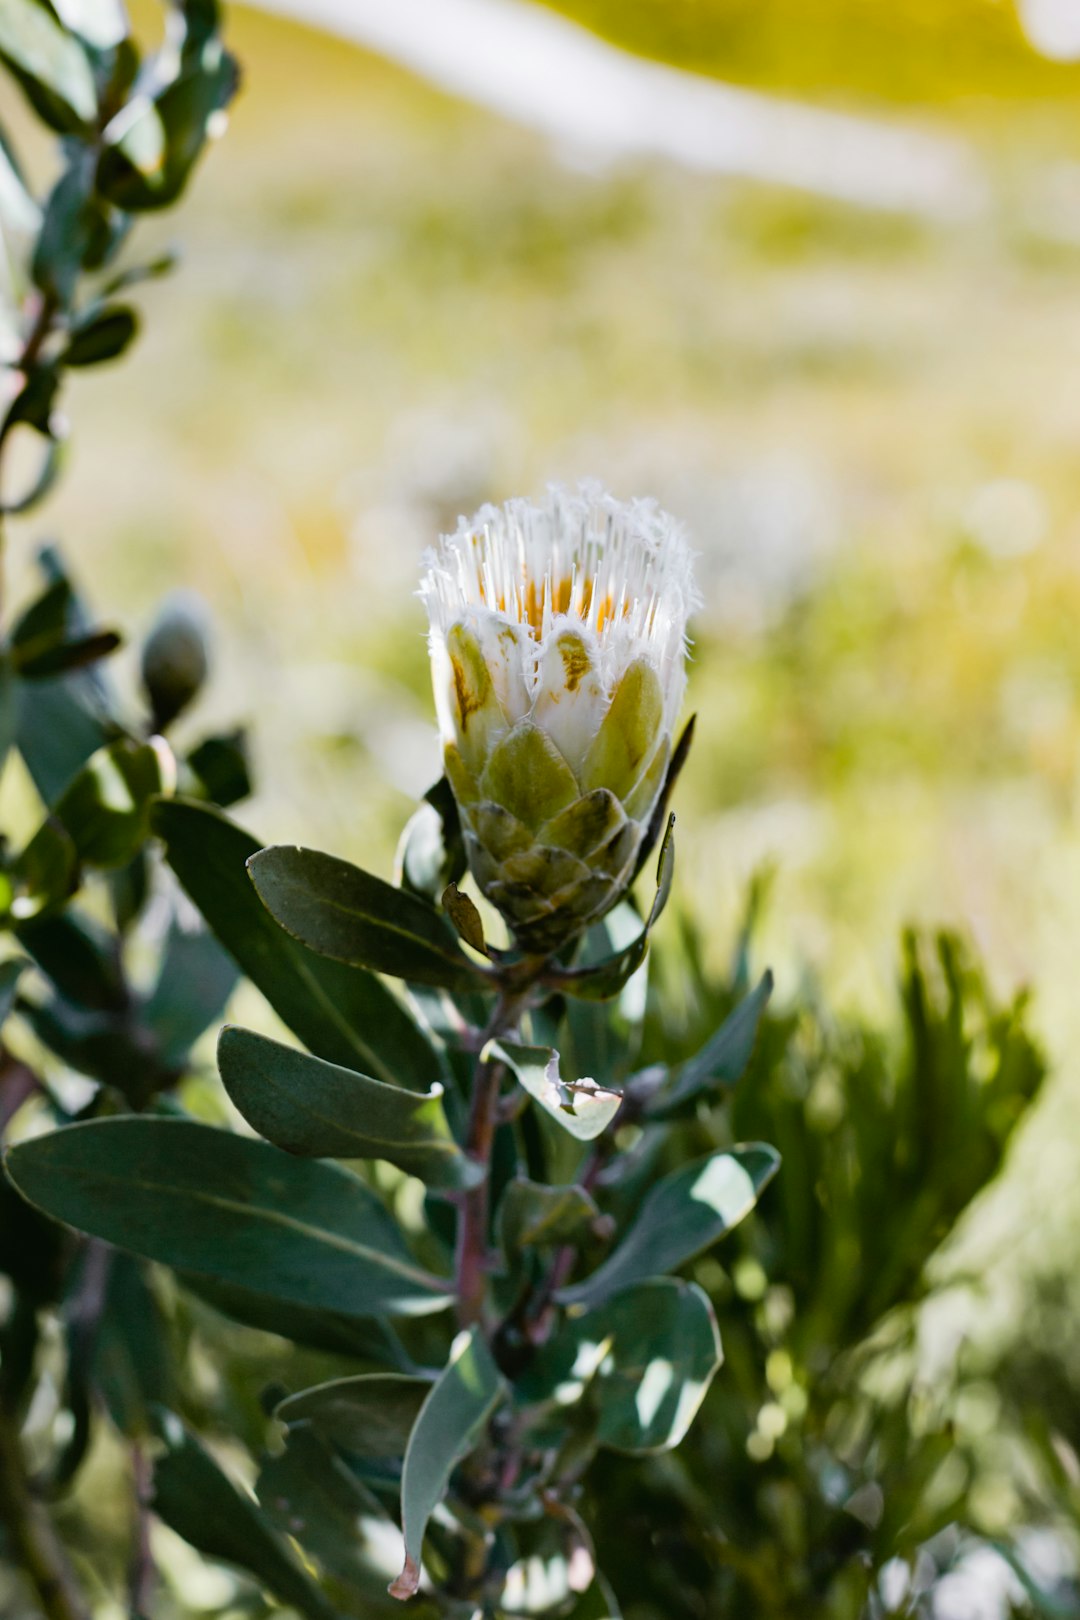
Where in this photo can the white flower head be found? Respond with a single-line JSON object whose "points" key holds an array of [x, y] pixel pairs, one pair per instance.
{"points": [[558, 647]]}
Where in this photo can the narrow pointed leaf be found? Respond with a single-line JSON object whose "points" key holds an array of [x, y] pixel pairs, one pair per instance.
{"points": [[319, 1110], [580, 1106], [643, 1361], [347, 914], [681, 1215], [450, 1422], [207, 1201], [370, 1416], [343, 1014], [197, 1500], [722, 1061]]}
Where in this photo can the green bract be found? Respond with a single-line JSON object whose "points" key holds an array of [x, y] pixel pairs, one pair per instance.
{"points": [[557, 645]]}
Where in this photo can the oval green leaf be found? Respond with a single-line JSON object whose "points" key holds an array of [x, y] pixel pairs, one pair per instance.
{"points": [[343, 1014], [681, 1215], [322, 1111], [371, 1415], [644, 1360], [229, 1207], [450, 1421], [347, 914]]}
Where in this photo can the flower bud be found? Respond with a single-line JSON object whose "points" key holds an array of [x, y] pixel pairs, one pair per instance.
{"points": [[558, 649], [175, 659]]}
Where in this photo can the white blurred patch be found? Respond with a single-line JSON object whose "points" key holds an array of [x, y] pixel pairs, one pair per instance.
{"points": [[1053, 27]]}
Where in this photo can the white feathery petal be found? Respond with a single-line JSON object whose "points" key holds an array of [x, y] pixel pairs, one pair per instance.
{"points": [[619, 573]]}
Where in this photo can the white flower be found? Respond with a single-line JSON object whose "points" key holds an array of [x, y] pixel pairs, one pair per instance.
{"points": [[558, 648]]}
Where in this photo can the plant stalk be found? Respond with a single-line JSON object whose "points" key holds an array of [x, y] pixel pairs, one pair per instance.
{"points": [[34, 1544]]}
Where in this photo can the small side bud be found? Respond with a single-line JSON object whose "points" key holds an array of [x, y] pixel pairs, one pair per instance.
{"points": [[175, 657]]}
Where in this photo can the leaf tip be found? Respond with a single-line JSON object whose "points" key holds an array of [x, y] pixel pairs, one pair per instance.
{"points": [[408, 1582]]}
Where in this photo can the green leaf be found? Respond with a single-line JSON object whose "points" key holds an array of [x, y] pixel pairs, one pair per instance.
{"points": [[222, 768], [205, 1200], [62, 723], [533, 1215], [598, 1603], [580, 1106], [194, 983], [106, 809], [314, 1497], [52, 67], [366, 1339], [722, 1061], [607, 978], [44, 874], [347, 914], [67, 655], [322, 1111], [370, 1416], [102, 336], [448, 1426], [431, 852], [131, 1364], [101, 23], [641, 1363], [461, 910], [75, 231], [10, 972], [682, 1214], [150, 147], [80, 957], [197, 1500], [342, 1014]]}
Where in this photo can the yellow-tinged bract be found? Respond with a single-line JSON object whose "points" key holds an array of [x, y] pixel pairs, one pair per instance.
{"points": [[558, 651]]}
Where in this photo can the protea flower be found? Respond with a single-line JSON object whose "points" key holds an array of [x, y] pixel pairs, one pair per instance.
{"points": [[558, 649]]}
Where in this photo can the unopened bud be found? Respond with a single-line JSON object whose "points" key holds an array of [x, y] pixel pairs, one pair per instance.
{"points": [[175, 657]]}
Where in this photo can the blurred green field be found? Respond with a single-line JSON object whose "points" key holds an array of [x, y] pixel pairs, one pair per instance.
{"points": [[393, 306]]}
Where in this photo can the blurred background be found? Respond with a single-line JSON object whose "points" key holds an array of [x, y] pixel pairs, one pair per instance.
{"points": [[808, 271]]}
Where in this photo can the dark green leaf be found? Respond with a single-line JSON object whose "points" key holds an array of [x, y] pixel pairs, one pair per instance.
{"points": [[320, 1110], [67, 655], [106, 809], [642, 1363], [606, 979], [9, 706], [80, 957], [52, 67], [198, 1501], [370, 1416], [313, 1496], [534, 1215], [149, 155], [103, 336], [450, 1422], [194, 983], [363, 1339], [44, 874], [61, 725], [598, 1603], [658, 821], [75, 231], [222, 767], [681, 1215], [10, 972], [350, 916], [343, 1014], [722, 1061], [131, 1368], [580, 1106], [208, 1201]]}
